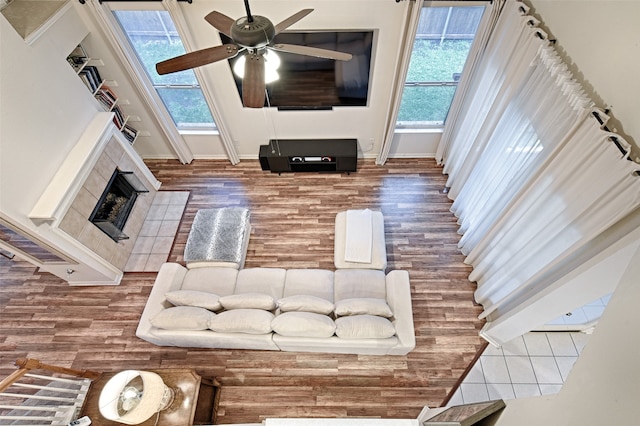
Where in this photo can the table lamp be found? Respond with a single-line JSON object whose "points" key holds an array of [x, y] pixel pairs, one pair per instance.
{"points": [[132, 396]]}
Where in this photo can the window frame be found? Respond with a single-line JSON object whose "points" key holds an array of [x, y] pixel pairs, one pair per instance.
{"points": [[416, 126], [141, 72]]}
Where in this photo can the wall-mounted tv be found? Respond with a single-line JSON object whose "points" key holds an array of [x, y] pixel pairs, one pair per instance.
{"points": [[310, 83]]}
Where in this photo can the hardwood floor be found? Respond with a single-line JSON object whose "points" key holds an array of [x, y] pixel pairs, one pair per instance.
{"points": [[292, 216]]}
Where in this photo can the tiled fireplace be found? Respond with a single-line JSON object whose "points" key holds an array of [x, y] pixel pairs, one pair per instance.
{"points": [[98, 250], [77, 223]]}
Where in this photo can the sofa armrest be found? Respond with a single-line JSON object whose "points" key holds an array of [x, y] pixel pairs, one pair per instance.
{"points": [[399, 300], [169, 278]]}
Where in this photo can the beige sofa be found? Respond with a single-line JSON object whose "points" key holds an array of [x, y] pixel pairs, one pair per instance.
{"points": [[355, 311]]}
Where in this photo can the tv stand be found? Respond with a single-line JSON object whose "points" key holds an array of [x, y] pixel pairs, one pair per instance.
{"points": [[309, 155]]}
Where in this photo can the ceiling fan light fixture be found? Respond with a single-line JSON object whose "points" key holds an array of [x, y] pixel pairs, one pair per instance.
{"points": [[271, 64]]}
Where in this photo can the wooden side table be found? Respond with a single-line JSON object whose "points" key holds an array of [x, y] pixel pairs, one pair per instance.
{"points": [[196, 399]]}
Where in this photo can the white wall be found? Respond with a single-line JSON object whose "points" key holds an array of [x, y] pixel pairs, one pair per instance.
{"points": [[45, 109], [603, 387], [601, 38], [250, 128]]}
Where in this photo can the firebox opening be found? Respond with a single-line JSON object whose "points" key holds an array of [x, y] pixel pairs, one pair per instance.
{"points": [[114, 206]]}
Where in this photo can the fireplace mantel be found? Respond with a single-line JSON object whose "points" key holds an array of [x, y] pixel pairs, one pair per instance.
{"points": [[73, 172], [63, 211]]}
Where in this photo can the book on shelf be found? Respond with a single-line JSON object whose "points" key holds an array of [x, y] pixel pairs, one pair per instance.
{"points": [[104, 100], [77, 57], [108, 92], [106, 97], [129, 132], [118, 117], [91, 76]]}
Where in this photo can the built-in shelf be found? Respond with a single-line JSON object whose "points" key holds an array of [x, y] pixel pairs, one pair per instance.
{"points": [[88, 70]]}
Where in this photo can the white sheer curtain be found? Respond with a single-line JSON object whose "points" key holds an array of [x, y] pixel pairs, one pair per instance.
{"points": [[534, 175], [487, 25], [412, 18], [584, 189], [502, 70], [545, 108]]}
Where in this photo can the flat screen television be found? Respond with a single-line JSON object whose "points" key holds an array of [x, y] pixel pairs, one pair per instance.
{"points": [[311, 83]]}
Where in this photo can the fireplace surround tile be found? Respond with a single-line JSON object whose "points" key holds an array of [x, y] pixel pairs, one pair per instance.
{"points": [[84, 202], [115, 152], [105, 166], [168, 228], [96, 184], [91, 237], [155, 240], [150, 228], [73, 223], [157, 212], [143, 245]]}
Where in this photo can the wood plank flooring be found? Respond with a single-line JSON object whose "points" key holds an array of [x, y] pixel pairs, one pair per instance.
{"points": [[292, 217]]}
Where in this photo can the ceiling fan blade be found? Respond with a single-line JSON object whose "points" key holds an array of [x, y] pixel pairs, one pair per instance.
{"points": [[311, 51], [197, 58], [220, 22], [253, 84], [292, 20]]}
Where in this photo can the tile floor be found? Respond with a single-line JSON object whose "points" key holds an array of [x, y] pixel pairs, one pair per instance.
{"points": [[535, 364], [158, 231], [586, 314]]}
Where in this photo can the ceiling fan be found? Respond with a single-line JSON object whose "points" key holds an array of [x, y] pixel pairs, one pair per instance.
{"points": [[253, 34]]}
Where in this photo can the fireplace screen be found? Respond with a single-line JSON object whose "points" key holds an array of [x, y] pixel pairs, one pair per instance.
{"points": [[116, 203]]}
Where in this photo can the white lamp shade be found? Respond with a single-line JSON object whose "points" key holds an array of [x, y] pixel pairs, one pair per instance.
{"points": [[271, 64], [151, 399]]}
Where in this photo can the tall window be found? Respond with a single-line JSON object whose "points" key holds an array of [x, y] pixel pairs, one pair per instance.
{"points": [[154, 38], [440, 50]]}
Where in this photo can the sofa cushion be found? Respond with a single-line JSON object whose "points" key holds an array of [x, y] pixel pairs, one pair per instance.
{"points": [[305, 303], [182, 318], [248, 301], [364, 327], [221, 281], [196, 298], [363, 306], [250, 321], [303, 324], [312, 282], [261, 280], [352, 283]]}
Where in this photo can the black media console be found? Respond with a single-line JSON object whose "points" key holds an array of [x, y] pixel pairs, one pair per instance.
{"points": [[309, 155]]}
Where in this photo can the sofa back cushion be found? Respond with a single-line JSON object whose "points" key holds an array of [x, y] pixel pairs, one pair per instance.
{"points": [[304, 303], [182, 318], [261, 280], [248, 301], [201, 299], [364, 327], [353, 283], [303, 324], [250, 321], [220, 281], [310, 282], [363, 306]]}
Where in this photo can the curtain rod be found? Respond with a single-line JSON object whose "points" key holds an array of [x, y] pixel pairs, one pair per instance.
{"points": [[613, 138], [102, 1]]}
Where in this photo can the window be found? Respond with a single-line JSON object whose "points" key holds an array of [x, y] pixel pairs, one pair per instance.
{"points": [[154, 38], [440, 50]]}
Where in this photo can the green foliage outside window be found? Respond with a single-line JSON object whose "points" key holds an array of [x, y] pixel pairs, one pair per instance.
{"points": [[443, 41], [154, 38], [432, 61]]}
